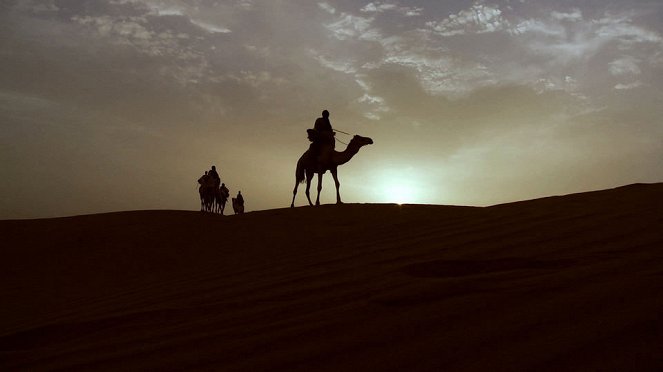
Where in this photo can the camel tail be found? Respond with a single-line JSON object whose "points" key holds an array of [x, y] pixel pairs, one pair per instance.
{"points": [[299, 172]]}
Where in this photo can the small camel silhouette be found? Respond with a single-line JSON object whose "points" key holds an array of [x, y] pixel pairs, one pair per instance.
{"points": [[212, 199], [329, 159]]}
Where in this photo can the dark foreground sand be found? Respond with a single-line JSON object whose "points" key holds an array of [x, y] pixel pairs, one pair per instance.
{"points": [[550, 284]]}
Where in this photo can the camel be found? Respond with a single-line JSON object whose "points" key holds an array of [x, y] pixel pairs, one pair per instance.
{"points": [[212, 199], [206, 198], [329, 159], [220, 199]]}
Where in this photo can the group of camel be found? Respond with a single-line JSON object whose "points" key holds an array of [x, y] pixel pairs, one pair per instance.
{"points": [[213, 199]]}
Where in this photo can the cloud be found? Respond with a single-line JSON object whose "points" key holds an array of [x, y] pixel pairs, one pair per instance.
{"points": [[187, 64], [380, 7], [568, 41], [541, 27], [377, 7], [126, 28], [347, 66], [626, 65], [622, 29], [326, 7], [212, 28], [443, 74], [628, 86], [372, 107], [478, 19], [348, 26], [574, 15]]}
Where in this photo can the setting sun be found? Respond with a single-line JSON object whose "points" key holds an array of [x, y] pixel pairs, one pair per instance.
{"points": [[400, 190], [399, 193]]}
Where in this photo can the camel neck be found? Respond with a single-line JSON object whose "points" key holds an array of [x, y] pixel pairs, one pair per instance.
{"points": [[345, 155]]}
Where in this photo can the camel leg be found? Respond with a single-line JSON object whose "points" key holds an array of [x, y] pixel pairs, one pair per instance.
{"points": [[317, 200], [309, 177], [338, 186], [294, 193]]}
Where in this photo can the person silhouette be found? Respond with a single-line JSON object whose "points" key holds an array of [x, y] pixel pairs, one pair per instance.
{"points": [[324, 128], [214, 175], [322, 124], [238, 203], [224, 191], [205, 191], [321, 134], [203, 179]]}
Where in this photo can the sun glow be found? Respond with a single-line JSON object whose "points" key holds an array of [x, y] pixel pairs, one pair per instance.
{"points": [[400, 185], [400, 192]]}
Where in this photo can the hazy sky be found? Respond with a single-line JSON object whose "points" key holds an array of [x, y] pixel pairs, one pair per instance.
{"points": [[123, 104]]}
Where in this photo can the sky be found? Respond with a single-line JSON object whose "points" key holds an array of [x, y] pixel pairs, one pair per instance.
{"points": [[123, 104]]}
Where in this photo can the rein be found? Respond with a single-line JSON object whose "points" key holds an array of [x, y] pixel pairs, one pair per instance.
{"points": [[340, 131]]}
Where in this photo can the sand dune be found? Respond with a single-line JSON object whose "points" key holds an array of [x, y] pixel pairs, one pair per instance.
{"points": [[564, 282]]}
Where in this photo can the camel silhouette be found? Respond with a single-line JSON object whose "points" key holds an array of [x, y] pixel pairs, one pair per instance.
{"points": [[329, 159], [212, 199]]}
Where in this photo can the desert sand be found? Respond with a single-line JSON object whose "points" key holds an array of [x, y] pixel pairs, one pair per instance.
{"points": [[566, 282]]}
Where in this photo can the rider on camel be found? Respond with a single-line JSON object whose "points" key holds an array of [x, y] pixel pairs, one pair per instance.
{"points": [[214, 176], [321, 134], [224, 191]]}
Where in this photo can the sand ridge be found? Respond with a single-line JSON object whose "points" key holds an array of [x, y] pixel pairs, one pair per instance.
{"points": [[571, 281]]}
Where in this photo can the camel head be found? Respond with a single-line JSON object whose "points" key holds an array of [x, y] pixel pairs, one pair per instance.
{"points": [[360, 141]]}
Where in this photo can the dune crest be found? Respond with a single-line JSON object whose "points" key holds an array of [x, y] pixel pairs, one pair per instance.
{"points": [[571, 281]]}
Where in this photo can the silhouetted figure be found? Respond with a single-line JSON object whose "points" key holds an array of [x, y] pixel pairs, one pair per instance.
{"points": [[238, 203], [224, 191], [310, 164], [323, 124], [203, 179], [214, 176], [322, 134], [206, 191], [222, 197]]}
